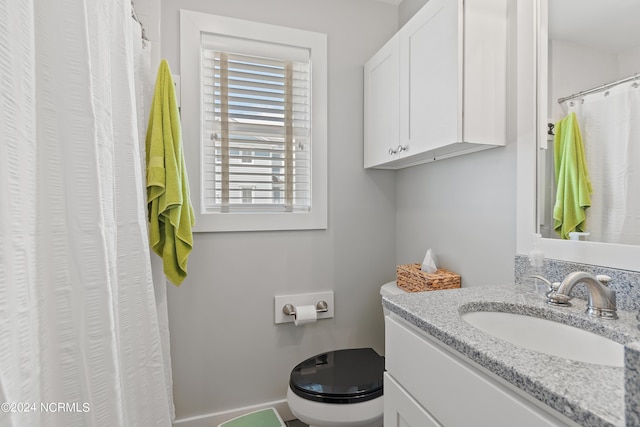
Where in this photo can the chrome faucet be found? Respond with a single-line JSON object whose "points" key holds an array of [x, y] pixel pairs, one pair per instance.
{"points": [[601, 302]]}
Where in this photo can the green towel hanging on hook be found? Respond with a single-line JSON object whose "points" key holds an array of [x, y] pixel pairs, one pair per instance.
{"points": [[171, 215], [574, 189]]}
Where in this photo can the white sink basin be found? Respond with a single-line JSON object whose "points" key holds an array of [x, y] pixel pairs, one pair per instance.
{"points": [[548, 337]]}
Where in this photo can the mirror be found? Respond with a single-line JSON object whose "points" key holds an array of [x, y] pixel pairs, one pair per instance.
{"points": [[592, 43]]}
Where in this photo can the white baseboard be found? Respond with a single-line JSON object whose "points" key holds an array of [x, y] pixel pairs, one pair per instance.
{"points": [[213, 419]]}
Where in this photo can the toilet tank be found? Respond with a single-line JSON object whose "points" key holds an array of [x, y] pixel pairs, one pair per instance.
{"points": [[389, 289]]}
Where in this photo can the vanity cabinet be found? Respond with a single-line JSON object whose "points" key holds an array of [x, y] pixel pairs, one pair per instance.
{"points": [[437, 89], [429, 384]]}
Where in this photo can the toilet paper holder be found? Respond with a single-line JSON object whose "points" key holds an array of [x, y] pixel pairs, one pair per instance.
{"points": [[290, 309]]}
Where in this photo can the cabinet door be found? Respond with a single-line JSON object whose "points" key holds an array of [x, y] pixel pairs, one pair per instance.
{"points": [[381, 98], [400, 410], [431, 77], [442, 382]]}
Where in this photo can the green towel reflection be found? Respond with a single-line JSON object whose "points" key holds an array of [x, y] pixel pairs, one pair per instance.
{"points": [[573, 194]]}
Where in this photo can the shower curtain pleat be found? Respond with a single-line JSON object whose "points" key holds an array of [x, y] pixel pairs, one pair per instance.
{"points": [[19, 346], [145, 81], [78, 319]]}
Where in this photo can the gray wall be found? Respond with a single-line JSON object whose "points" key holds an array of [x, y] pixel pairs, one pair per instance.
{"points": [[226, 350], [408, 8], [464, 209]]}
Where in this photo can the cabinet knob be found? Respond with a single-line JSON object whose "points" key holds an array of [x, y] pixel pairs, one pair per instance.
{"points": [[392, 151], [400, 148]]}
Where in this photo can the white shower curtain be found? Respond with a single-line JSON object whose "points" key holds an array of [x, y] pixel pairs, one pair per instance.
{"points": [[79, 336], [610, 126]]}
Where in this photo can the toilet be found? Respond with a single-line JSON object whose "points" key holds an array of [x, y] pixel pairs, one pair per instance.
{"points": [[340, 388]]}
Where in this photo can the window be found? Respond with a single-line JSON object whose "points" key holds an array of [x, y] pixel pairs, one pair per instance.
{"points": [[254, 124], [247, 195]]}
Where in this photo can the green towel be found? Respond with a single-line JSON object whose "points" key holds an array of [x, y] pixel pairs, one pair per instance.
{"points": [[572, 178], [171, 216]]}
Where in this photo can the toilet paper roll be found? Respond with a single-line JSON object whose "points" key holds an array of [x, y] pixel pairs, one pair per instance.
{"points": [[305, 314]]}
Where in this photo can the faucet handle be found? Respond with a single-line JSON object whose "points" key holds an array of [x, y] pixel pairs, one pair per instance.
{"points": [[554, 298], [604, 279]]}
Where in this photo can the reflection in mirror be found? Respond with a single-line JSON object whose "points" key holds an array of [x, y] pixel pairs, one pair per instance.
{"points": [[594, 68]]}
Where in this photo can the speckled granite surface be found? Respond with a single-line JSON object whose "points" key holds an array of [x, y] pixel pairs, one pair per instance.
{"points": [[626, 283], [632, 383], [591, 395]]}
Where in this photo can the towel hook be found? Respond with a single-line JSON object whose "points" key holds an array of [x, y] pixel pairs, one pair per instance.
{"points": [[550, 126]]}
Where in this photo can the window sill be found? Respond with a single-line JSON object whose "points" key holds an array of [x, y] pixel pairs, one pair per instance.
{"points": [[228, 222]]}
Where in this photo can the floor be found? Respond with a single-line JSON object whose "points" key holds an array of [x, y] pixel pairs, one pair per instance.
{"points": [[295, 423]]}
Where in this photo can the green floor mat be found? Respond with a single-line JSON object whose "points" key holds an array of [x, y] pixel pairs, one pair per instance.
{"points": [[263, 418]]}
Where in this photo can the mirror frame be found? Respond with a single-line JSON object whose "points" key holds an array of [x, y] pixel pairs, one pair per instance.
{"points": [[532, 52]]}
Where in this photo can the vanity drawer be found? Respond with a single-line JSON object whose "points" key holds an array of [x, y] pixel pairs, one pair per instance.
{"points": [[401, 410], [450, 388]]}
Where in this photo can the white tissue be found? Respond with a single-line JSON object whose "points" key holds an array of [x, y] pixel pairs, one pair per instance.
{"points": [[305, 314], [429, 263]]}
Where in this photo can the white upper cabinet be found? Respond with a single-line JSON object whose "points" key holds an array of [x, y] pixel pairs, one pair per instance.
{"points": [[451, 85], [381, 104]]}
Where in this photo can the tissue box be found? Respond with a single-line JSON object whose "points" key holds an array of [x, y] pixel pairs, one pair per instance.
{"points": [[410, 278]]}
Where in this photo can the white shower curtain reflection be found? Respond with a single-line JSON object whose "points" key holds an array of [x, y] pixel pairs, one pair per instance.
{"points": [[78, 320], [610, 126]]}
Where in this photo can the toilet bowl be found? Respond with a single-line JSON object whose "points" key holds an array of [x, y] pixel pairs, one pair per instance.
{"points": [[341, 388], [338, 388]]}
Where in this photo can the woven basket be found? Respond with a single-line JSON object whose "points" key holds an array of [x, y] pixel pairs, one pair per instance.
{"points": [[410, 278]]}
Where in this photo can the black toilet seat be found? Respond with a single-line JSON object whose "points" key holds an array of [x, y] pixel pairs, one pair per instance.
{"points": [[340, 376]]}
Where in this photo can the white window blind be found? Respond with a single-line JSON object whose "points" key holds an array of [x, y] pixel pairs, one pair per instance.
{"points": [[256, 129], [268, 169]]}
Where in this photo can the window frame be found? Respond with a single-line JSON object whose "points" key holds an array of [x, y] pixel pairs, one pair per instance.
{"points": [[192, 25]]}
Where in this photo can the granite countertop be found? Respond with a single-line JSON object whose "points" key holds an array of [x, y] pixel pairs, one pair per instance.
{"points": [[591, 395]]}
